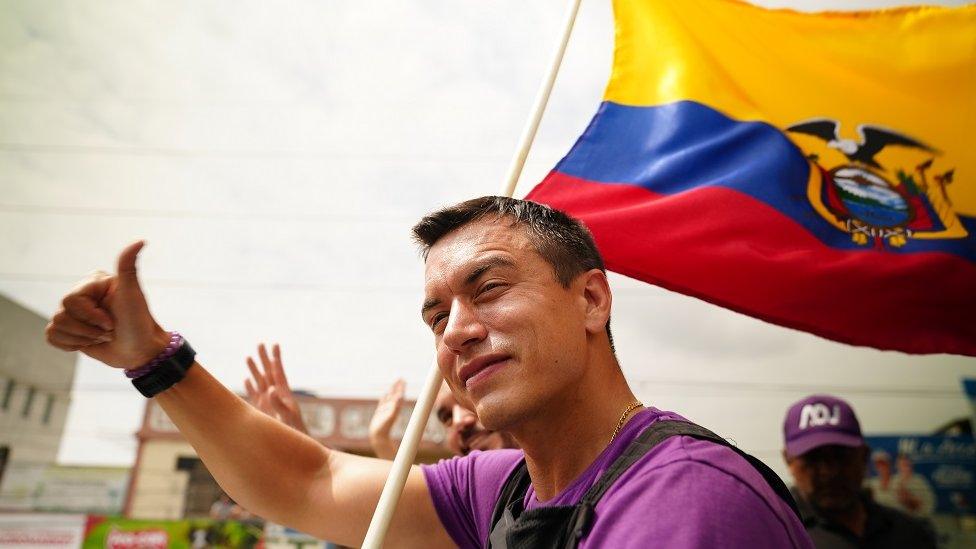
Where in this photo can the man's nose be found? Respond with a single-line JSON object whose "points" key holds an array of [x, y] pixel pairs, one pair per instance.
{"points": [[826, 468], [463, 328]]}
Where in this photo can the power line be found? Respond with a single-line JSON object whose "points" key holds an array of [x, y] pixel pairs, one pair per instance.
{"points": [[235, 285], [178, 152], [332, 217], [864, 390]]}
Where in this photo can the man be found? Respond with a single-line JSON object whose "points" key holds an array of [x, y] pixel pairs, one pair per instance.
{"points": [[463, 430], [882, 490], [517, 298], [915, 494], [827, 457]]}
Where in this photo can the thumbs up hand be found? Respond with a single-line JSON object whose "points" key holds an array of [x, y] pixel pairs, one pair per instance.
{"points": [[106, 317]]}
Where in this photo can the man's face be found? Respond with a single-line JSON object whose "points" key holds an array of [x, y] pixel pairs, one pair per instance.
{"points": [[830, 477], [904, 466], [883, 467], [464, 431], [509, 337]]}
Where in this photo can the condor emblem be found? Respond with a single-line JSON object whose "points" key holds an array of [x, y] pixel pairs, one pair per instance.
{"points": [[861, 198]]}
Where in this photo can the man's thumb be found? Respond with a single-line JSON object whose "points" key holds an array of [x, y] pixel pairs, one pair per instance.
{"points": [[127, 264]]}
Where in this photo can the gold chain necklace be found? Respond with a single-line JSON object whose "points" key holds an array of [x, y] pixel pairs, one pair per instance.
{"points": [[623, 419]]}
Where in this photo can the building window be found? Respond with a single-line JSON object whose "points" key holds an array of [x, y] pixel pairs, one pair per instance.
{"points": [[201, 490], [4, 457], [27, 403], [48, 408], [8, 394]]}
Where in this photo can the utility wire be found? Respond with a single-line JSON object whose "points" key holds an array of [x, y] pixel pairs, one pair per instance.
{"points": [[162, 151], [235, 285], [250, 216]]}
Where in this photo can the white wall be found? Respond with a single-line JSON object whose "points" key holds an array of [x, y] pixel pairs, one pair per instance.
{"points": [[275, 156]]}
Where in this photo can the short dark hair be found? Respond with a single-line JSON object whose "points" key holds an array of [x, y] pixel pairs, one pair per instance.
{"points": [[562, 241]]}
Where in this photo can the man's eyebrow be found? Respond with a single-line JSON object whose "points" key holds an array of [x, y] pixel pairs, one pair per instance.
{"points": [[473, 276], [485, 266], [429, 304]]}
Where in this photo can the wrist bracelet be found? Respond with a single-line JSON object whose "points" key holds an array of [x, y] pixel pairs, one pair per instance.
{"points": [[166, 372], [175, 340]]}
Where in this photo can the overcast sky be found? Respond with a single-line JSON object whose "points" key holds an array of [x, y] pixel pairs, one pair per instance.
{"points": [[275, 155]]}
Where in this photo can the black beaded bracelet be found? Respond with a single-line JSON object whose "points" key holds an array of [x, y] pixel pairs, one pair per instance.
{"points": [[167, 372]]}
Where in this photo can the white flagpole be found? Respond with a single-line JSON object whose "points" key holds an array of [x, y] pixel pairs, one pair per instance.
{"points": [[403, 461], [425, 403]]}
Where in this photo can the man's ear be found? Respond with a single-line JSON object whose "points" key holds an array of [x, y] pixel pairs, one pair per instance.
{"points": [[792, 464], [863, 463], [596, 293]]}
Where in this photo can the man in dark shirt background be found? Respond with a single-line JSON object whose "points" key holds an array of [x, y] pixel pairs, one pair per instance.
{"points": [[828, 459]]}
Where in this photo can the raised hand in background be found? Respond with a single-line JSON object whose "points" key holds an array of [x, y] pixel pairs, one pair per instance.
{"points": [[269, 391], [386, 414]]}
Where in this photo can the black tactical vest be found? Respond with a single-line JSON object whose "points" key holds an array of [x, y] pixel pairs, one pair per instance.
{"points": [[565, 526]]}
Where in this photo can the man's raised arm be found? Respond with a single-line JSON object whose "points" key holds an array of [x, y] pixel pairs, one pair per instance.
{"points": [[267, 467]]}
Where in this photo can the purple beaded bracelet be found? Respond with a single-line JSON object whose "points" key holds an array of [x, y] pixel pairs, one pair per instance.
{"points": [[175, 340]]}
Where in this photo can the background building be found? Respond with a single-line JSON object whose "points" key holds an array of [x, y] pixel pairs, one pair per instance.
{"points": [[35, 392], [50, 488], [169, 481]]}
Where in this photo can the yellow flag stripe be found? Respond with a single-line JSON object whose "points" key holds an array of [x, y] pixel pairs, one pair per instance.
{"points": [[912, 70]]}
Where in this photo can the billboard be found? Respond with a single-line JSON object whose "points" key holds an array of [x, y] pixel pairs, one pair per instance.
{"points": [[119, 533], [64, 489], [969, 387], [930, 477], [35, 530]]}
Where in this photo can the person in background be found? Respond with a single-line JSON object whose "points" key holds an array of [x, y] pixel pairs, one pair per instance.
{"points": [[881, 487], [827, 457], [224, 508], [463, 430], [381, 425], [915, 495], [269, 391]]}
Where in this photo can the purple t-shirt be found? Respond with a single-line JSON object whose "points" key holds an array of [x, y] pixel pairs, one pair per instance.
{"points": [[683, 493]]}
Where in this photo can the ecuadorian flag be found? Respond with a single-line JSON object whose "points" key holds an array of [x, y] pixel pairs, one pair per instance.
{"points": [[815, 170]]}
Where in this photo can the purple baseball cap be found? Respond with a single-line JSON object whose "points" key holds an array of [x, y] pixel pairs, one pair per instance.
{"points": [[820, 420]]}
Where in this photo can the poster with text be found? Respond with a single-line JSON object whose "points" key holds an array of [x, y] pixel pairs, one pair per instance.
{"points": [[929, 477], [41, 530], [969, 387], [120, 533]]}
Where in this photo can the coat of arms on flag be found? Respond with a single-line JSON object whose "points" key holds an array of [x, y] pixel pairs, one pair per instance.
{"points": [[859, 197]]}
